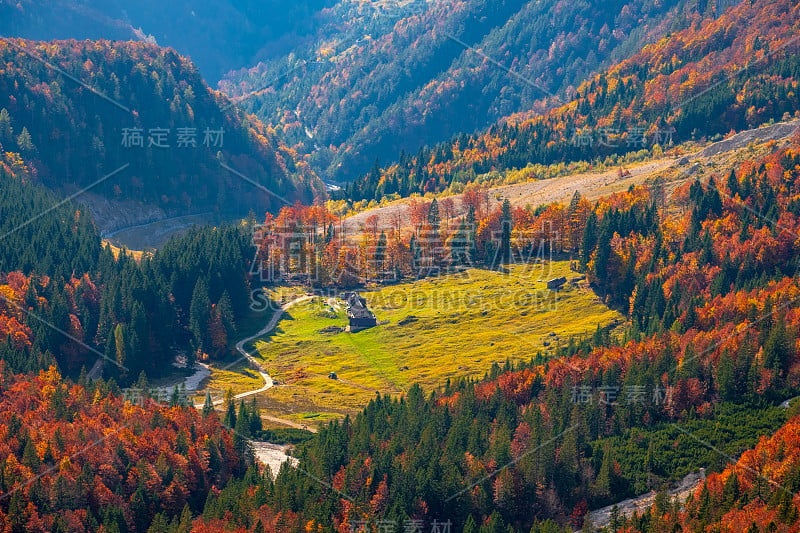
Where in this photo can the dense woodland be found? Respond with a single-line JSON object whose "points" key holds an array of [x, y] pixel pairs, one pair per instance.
{"points": [[691, 85], [402, 459], [732, 339], [742, 497], [70, 112], [447, 235], [707, 276], [309, 243], [76, 458], [67, 299], [724, 346], [391, 77]]}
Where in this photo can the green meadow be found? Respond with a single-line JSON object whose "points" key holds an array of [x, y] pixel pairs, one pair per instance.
{"points": [[429, 330]]}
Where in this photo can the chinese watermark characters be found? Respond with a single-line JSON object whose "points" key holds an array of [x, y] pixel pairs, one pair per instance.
{"points": [[398, 526], [163, 138], [612, 395], [137, 395], [614, 137]]}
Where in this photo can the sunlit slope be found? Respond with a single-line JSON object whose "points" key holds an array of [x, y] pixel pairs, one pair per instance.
{"points": [[430, 330]]}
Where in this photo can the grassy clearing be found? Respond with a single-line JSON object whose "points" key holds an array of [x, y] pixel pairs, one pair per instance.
{"points": [[431, 330], [238, 377], [116, 250], [312, 418]]}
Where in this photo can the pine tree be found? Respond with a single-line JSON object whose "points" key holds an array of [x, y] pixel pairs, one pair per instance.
{"points": [[777, 353], [615, 519], [470, 526], [603, 252], [726, 377], [6, 131], [208, 405], [731, 491], [225, 310], [185, 524], [242, 426], [120, 345], [175, 399], [506, 226], [602, 485], [199, 314], [230, 410], [432, 238], [733, 184], [24, 142]]}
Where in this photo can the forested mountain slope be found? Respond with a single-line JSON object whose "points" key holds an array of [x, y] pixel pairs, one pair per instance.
{"points": [[400, 77], [76, 458], [67, 301], [711, 292], [133, 121], [707, 275], [219, 35], [719, 75], [756, 493]]}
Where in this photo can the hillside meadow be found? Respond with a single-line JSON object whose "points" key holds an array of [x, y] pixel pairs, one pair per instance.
{"points": [[429, 331]]}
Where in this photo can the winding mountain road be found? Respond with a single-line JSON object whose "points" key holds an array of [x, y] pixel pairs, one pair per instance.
{"points": [[268, 382], [110, 234]]}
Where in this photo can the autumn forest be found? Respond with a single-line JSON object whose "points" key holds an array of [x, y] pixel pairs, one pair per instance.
{"points": [[196, 217]]}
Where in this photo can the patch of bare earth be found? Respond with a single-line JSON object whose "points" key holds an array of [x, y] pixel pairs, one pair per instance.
{"points": [[594, 185], [534, 193]]}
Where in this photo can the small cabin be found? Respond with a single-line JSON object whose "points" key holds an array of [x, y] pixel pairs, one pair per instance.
{"points": [[556, 283], [360, 317]]}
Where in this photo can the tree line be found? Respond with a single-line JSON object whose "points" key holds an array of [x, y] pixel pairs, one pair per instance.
{"points": [[678, 89], [66, 299], [534, 445]]}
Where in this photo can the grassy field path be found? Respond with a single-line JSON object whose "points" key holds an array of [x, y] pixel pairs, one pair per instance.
{"points": [[268, 381], [273, 321], [448, 327]]}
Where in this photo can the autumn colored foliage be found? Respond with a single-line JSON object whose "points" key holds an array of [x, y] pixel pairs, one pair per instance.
{"points": [[758, 492], [383, 78], [713, 341], [688, 85], [76, 459]]}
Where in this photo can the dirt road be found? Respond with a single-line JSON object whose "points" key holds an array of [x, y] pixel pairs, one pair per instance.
{"points": [[273, 321], [601, 518], [268, 382]]}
